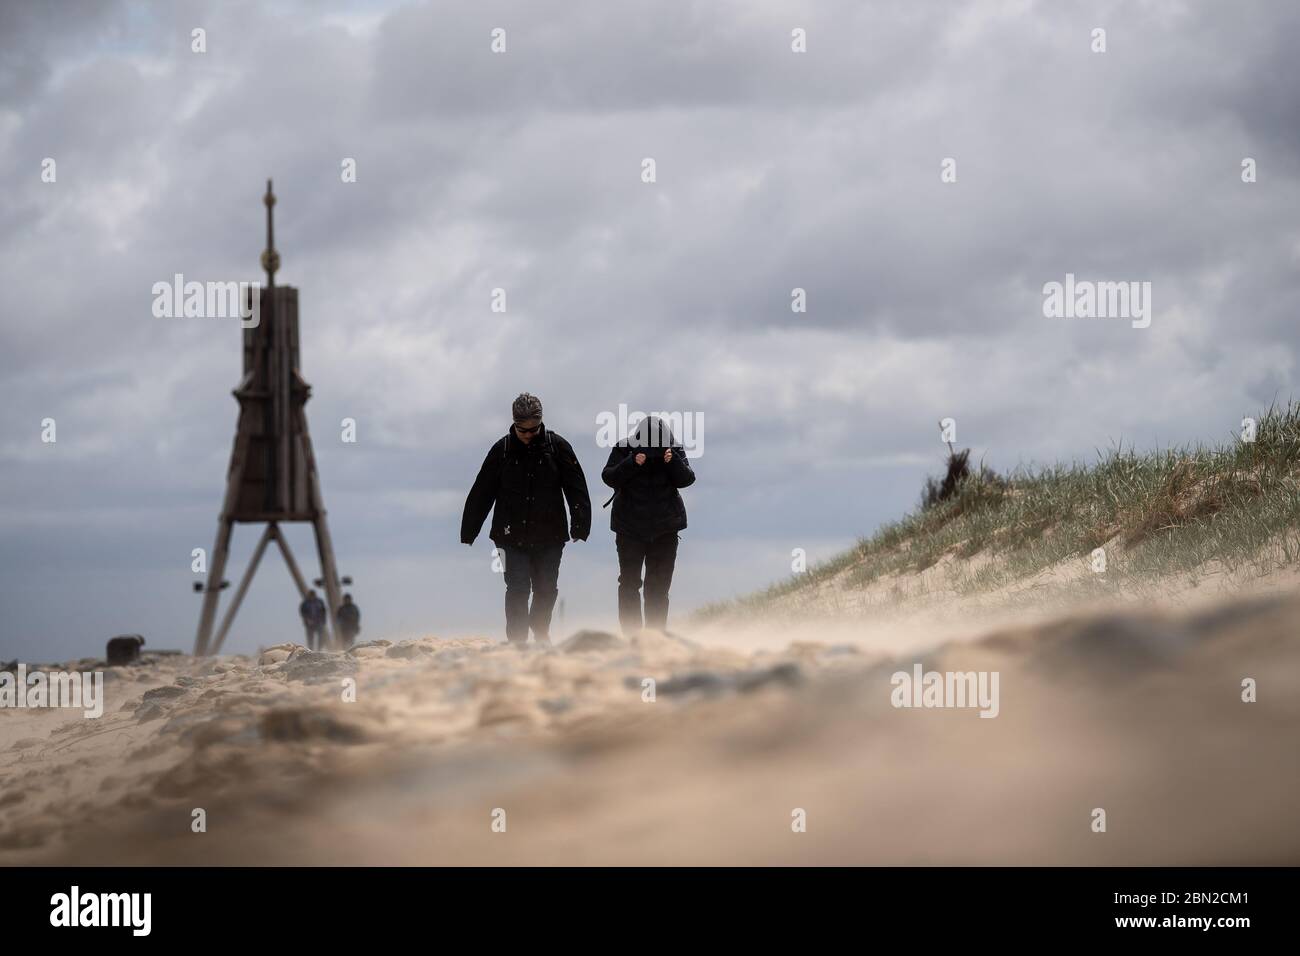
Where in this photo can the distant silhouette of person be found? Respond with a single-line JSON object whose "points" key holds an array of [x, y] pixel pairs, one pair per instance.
{"points": [[349, 621], [312, 611], [646, 469], [525, 481]]}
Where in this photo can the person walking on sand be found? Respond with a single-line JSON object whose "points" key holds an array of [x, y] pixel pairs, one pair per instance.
{"points": [[646, 470], [349, 622], [312, 611], [525, 481]]}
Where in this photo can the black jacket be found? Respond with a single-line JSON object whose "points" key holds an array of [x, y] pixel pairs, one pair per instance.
{"points": [[525, 487], [312, 611], [349, 617], [646, 500]]}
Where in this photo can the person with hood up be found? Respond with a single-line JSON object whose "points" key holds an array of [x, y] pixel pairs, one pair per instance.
{"points": [[348, 618], [646, 471]]}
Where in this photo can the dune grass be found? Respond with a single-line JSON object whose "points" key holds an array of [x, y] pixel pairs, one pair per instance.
{"points": [[1158, 513]]}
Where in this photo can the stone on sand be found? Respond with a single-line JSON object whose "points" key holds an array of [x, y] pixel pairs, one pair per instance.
{"points": [[585, 641], [276, 654], [369, 649], [308, 665], [407, 650], [289, 724]]}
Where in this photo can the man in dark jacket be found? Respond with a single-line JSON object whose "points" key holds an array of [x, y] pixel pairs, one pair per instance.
{"points": [[312, 611], [525, 481], [646, 470]]}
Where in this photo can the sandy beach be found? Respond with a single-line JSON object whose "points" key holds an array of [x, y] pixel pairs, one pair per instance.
{"points": [[469, 752]]}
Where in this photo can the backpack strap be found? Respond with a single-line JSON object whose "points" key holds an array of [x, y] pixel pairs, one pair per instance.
{"points": [[505, 445]]}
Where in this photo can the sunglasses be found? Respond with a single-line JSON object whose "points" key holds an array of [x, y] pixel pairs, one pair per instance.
{"points": [[528, 431]]}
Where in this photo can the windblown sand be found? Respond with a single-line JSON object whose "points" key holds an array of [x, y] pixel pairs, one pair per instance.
{"points": [[469, 752]]}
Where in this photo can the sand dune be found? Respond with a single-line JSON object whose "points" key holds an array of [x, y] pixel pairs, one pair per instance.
{"points": [[1136, 713]]}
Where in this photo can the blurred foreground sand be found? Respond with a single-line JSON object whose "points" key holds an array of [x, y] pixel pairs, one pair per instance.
{"points": [[1139, 713]]}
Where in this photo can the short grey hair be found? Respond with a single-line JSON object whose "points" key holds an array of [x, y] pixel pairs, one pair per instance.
{"points": [[526, 407]]}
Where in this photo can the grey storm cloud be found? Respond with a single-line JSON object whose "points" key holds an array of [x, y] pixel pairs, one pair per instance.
{"points": [[521, 171]]}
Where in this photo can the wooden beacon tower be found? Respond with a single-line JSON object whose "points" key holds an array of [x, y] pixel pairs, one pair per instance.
{"points": [[273, 476]]}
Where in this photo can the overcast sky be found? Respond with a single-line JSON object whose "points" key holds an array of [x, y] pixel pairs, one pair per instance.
{"points": [[522, 170]]}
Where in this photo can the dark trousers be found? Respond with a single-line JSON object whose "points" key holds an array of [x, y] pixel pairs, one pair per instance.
{"points": [[536, 570], [314, 636], [658, 556]]}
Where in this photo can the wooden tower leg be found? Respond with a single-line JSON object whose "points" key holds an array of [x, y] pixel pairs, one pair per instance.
{"points": [[325, 548], [324, 544], [220, 552], [243, 587], [293, 565]]}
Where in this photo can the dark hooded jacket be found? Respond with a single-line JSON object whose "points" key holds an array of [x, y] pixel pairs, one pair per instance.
{"points": [[646, 500], [349, 617], [525, 487]]}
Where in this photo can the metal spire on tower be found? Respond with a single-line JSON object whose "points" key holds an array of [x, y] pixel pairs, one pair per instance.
{"points": [[270, 258]]}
